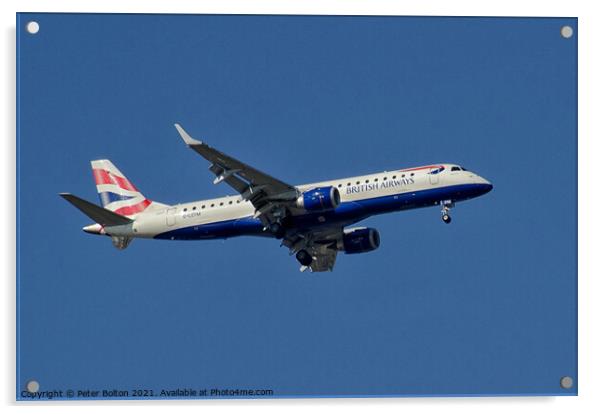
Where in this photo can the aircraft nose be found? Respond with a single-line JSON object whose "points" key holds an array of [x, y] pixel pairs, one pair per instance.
{"points": [[485, 186]]}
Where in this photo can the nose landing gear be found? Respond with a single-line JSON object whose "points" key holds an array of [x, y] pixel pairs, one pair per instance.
{"points": [[446, 205]]}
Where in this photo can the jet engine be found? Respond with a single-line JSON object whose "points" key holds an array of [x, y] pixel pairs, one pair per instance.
{"points": [[360, 240], [319, 199]]}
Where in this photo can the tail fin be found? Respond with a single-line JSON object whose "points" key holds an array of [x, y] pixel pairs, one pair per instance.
{"points": [[116, 192]]}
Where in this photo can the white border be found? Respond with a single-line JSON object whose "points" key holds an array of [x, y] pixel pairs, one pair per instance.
{"points": [[590, 274]]}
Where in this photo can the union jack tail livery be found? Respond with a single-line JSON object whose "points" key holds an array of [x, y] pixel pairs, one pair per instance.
{"points": [[116, 192]]}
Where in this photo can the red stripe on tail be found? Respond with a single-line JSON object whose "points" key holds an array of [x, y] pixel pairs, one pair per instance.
{"points": [[105, 177], [135, 209]]}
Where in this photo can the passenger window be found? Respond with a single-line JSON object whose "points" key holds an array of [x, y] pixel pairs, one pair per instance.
{"points": [[385, 179], [194, 208], [212, 205], [185, 209], [403, 175], [376, 179], [411, 175], [367, 181], [348, 184], [221, 204], [394, 177], [340, 185], [203, 206], [229, 202]]}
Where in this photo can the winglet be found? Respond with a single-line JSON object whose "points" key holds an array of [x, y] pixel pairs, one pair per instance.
{"points": [[187, 138]]}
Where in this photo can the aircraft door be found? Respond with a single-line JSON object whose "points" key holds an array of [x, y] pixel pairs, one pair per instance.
{"points": [[171, 216], [434, 176]]}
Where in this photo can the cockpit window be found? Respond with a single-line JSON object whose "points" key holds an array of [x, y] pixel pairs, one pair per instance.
{"points": [[463, 169], [456, 169]]}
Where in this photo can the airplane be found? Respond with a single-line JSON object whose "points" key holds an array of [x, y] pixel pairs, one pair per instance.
{"points": [[311, 220]]}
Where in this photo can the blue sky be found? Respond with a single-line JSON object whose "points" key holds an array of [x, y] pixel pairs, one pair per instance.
{"points": [[486, 305]]}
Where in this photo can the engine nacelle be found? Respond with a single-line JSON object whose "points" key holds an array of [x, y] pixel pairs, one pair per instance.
{"points": [[360, 240], [319, 199]]}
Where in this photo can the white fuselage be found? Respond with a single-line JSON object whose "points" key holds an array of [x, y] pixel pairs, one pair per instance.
{"points": [[361, 196]]}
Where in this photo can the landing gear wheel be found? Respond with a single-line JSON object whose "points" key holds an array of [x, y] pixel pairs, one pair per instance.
{"points": [[446, 205], [277, 230], [304, 257]]}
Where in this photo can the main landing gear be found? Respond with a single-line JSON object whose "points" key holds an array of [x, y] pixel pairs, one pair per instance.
{"points": [[445, 207], [304, 257], [277, 229]]}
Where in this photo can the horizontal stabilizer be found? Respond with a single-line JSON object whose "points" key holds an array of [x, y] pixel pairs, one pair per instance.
{"points": [[100, 215]]}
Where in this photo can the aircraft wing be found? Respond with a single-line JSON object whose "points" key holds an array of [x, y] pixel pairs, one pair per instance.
{"points": [[261, 189]]}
